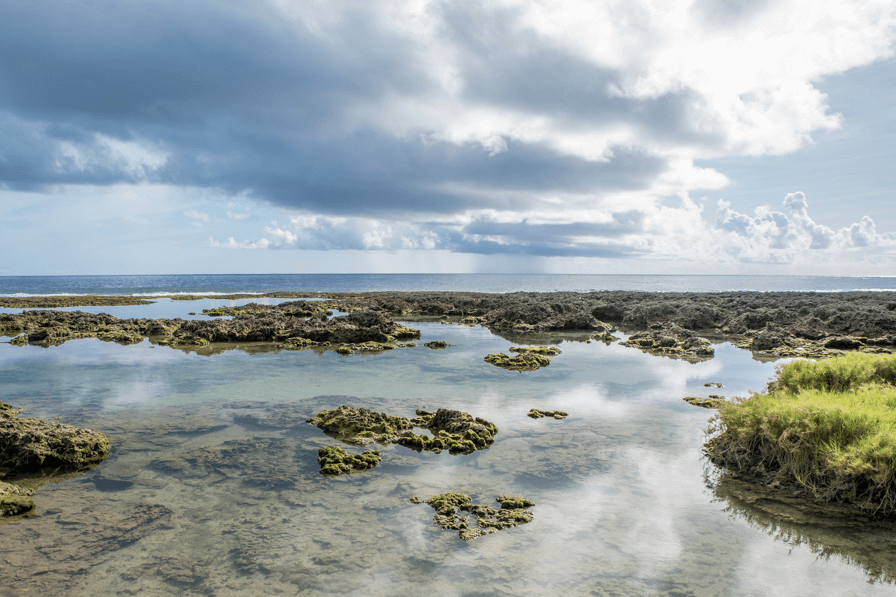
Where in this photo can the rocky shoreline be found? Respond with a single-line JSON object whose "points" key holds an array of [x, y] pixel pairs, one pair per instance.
{"points": [[771, 325]]}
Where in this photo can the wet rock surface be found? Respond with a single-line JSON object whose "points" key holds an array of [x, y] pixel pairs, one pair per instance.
{"points": [[31, 445], [524, 361], [452, 430], [540, 414], [334, 461], [457, 512], [545, 351]]}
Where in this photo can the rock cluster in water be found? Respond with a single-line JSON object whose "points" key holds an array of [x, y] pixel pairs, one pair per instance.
{"points": [[713, 401], [15, 500], [452, 430], [528, 358], [454, 509], [671, 340]]}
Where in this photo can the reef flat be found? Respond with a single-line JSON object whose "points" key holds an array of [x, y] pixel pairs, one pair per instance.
{"points": [[680, 325]]}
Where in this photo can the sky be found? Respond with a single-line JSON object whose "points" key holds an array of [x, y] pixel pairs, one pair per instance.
{"points": [[517, 136]]}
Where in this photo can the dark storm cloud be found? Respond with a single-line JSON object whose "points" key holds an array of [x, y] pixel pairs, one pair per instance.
{"points": [[237, 98]]}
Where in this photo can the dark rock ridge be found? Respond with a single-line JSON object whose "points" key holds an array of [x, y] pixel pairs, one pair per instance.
{"points": [[279, 325], [449, 508], [31, 445], [452, 430]]}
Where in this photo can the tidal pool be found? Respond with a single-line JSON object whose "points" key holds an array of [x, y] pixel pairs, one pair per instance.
{"points": [[212, 487]]}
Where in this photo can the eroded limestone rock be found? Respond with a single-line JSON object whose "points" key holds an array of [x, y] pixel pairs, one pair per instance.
{"points": [[671, 340]]}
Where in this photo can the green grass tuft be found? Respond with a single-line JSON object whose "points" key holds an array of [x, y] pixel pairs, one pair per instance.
{"points": [[829, 426]]}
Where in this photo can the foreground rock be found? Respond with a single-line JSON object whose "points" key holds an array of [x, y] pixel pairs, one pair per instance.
{"points": [[452, 430], [333, 461], [30, 445], [449, 506], [524, 361]]}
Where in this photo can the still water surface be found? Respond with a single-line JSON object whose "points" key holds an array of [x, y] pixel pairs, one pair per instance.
{"points": [[213, 488]]}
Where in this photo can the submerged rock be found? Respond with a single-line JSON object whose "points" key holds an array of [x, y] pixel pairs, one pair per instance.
{"points": [[449, 508], [538, 414], [333, 461], [32, 445], [15, 500], [522, 362]]}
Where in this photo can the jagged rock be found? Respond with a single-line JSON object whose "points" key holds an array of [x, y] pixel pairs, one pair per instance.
{"points": [[671, 340]]}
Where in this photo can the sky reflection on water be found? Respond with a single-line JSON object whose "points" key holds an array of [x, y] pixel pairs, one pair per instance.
{"points": [[237, 507]]}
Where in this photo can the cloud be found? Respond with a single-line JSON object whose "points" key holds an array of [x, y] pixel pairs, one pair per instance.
{"points": [[523, 127], [197, 215]]}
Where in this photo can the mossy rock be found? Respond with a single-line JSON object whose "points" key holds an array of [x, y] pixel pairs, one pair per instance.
{"points": [[711, 402], [547, 351], [538, 414], [334, 460], [344, 351], [31, 445], [521, 362], [15, 500], [437, 344]]}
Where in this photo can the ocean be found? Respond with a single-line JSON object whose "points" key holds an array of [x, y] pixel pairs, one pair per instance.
{"points": [[263, 283], [213, 485]]}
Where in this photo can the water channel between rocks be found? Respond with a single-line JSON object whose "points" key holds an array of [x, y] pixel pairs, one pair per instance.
{"points": [[212, 487]]}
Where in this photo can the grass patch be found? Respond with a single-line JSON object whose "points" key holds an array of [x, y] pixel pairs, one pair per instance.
{"points": [[828, 426]]}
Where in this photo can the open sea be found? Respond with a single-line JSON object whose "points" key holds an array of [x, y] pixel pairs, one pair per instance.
{"points": [[213, 487]]}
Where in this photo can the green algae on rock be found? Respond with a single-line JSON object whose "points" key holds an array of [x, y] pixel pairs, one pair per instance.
{"points": [[538, 414], [712, 384], [547, 351], [334, 460], [15, 500], [522, 362], [448, 507], [32, 445], [713, 401], [452, 430], [436, 344]]}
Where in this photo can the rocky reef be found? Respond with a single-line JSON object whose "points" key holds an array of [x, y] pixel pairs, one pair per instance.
{"points": [[31, 445], [284, 325], [540, 414], [450, 506], [334, 461], [525, 361], [452, 430]]}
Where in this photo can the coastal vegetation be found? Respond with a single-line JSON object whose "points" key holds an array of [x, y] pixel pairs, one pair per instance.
{"points": [[827, 427]]}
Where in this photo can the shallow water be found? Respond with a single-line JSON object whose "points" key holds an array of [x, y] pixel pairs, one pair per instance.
{"points": [[213, 488]]}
